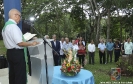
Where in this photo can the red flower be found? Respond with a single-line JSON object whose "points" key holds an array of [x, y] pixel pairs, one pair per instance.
{"points": [[68, 69], [72, 67]]}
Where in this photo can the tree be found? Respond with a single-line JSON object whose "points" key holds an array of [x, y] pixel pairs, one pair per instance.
{"points": [[64, 16]]}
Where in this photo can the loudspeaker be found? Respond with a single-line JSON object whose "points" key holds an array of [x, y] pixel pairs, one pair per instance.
{"points": [[3, 62]]}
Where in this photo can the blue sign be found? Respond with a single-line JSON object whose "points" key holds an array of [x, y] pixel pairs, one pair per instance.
{"points": [[10, 4]]}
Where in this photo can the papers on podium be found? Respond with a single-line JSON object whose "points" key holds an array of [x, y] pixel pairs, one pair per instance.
{"points": [[28, 36]]}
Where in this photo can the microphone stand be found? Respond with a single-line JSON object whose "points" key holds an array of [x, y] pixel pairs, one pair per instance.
{"points": [[45, 55]]}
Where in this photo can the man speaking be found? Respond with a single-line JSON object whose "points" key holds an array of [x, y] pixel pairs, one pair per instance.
{"points": [[16, 48]]}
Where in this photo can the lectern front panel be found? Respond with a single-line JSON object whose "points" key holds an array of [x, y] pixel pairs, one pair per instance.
{"points": [[38, 66]]}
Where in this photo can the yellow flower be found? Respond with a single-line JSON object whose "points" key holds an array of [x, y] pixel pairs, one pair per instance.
{"points": [[68, 64]]}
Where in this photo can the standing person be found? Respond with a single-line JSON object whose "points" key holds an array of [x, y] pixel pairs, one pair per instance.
{"points": [[117, 49], [110, 47], [56, 46], [75, 48], [81, 53], [122, 47], [81, 39], [74, 45], [91, 50], [14, 42], [102, 47], [67, 45], [128, 47], [77, 40], [62, 56], [46, 37]]}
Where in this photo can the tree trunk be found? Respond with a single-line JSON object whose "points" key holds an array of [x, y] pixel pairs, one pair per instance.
{"points": [[98, 30], [108, 25], [98, 23], [132, 31], [120, 31]]}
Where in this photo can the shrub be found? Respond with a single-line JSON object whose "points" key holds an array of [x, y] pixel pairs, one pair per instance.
{"points": [[126, 65]]}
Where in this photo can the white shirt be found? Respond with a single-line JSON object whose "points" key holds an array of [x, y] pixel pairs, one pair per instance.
{"points": [[128, 47], [101, 46], [91, 47], [55, 43], [75, 47], [12, 35], [61, 51], [67, 46], [83, 43]]}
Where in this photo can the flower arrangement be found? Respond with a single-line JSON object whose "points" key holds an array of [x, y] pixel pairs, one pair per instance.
{"points": [[70, 67]]}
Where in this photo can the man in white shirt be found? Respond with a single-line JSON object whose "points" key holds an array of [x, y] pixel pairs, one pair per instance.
{"points": [[91, 50], [62, 56], [14, 42], [102, 47], [67, 45], [128, 47]]}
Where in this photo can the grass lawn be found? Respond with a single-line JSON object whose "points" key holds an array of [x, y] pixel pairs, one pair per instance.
{"points": [[2, 48], [100, 71]]}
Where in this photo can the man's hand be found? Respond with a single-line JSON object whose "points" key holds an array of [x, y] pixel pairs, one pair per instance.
{"points": [[34, 43], [25, 44]]}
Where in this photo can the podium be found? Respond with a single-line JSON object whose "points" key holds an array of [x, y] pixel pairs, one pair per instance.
{"points": [[38, 69]]}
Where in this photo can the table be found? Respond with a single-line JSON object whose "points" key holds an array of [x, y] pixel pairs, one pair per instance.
{"points": [[83, 77]]}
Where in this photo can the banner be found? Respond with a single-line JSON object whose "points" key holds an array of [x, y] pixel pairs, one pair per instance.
{"points": [[10, 4]]}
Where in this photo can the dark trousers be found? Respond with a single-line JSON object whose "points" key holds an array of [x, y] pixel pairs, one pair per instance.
{"points": [[81, 59], [109, 55], [102, 57], [56, 60], [61, 58], [17, 66], [29, 62], [91, 57], [117, 55]]}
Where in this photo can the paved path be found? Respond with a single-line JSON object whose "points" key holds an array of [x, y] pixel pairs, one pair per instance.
{"points": [[4, 76]]}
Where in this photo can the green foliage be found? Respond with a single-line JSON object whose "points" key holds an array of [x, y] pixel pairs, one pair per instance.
{"points": [[78, 18], [73, 17]]}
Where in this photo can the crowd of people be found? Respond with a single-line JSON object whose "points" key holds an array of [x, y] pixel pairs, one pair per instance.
{"points": [[119, 49], [106, 50], [65, 44]]}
